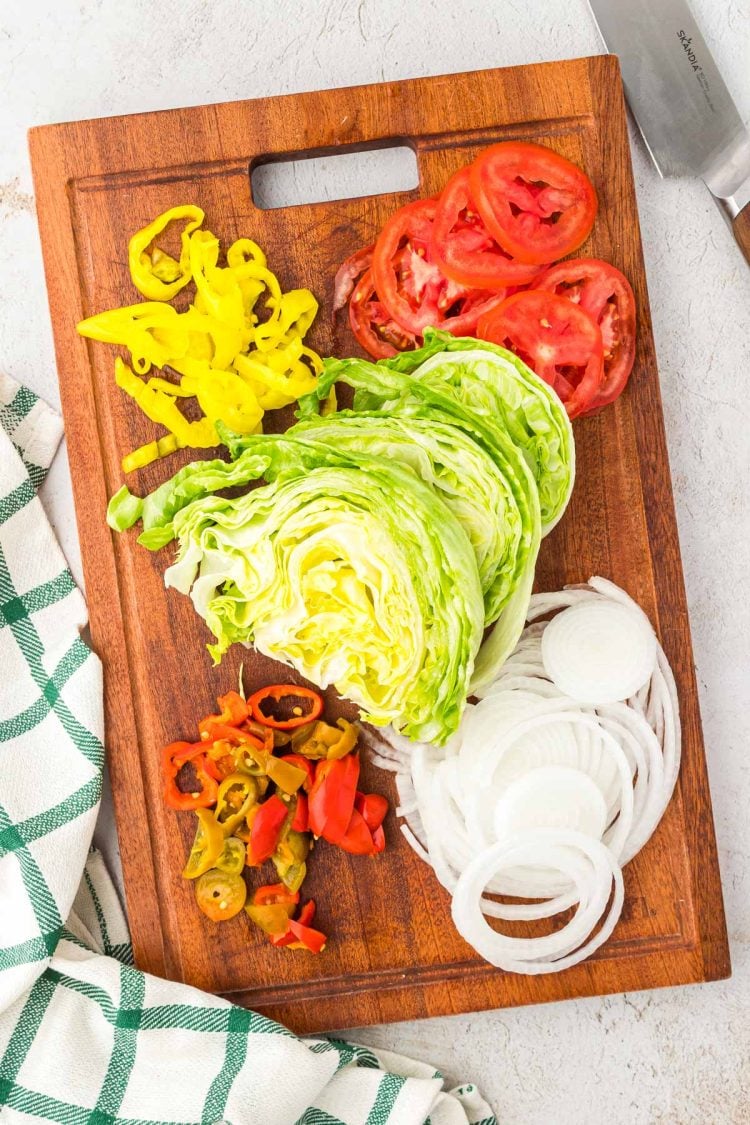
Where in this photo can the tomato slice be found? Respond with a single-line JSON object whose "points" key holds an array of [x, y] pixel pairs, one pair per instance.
{"points": [[410, 283], [373, 326], [347, 275], [556, 338], [605, 294], [537, 204], [464, 248]]}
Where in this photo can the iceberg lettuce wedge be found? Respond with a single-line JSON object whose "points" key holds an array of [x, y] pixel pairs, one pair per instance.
{"points": [[500, 388], [346, 567]]}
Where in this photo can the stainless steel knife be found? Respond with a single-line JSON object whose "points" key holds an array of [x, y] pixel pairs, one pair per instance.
{"points": [[683, 109]]}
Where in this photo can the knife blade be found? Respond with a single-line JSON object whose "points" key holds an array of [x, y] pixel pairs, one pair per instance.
{"points": [[683, 109]]}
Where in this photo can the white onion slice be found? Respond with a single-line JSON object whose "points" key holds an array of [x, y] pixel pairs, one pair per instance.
{"points": [[501, 810], [551, 797], [599, 651], [598, 878]]}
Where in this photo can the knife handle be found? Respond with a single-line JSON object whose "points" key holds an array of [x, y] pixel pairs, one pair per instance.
{"points": [[741, 230], [736, 210]]}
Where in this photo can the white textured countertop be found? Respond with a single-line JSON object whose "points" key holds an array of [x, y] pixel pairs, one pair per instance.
{"points": [[677, 1055]]}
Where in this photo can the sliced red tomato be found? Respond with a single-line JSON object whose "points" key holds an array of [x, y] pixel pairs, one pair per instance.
{"points": [[556, 338], [464, 248], [372, 324], [605, 294], [537, 204], [410, 283], [347, 274]]}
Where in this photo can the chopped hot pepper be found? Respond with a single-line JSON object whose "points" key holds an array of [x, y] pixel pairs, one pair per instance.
{"points": [[236, 796], [249, 753], [303, 764], [220, 896], [265, 830], [331, 800], [207, 846], [372, 807], [232, 857], [272, 919], [276, 892], [289, 858], [234, 711], [174, 758], [301, 821], [314, 789], [299, 934], [359, 839], [285, 774], [272, 907], [278, 692], [325, 741]]}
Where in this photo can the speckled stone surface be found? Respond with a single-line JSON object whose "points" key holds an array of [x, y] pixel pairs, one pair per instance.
{"points": [[676, 1056]]}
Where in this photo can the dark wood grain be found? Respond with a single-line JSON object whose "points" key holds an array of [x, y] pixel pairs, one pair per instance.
{"points": [[741, 231], [394, 953]]}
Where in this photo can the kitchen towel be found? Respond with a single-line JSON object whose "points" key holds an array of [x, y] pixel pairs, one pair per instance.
{"points": [[85, 1038]]}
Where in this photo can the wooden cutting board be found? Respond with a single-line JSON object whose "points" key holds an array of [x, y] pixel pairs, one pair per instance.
{"points": [[394, 953]]}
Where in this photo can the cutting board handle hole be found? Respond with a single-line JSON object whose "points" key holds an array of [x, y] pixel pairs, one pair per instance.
{"points": [[342, 175]]}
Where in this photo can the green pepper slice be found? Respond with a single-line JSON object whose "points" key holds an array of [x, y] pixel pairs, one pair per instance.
{"points": [[289, 858], [232, 858], [207, 846], [237, 794]]}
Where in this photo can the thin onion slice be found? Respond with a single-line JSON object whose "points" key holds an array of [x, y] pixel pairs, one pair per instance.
{"points": [[551, 797], [587, 862], [599, 651], [533, 770]]}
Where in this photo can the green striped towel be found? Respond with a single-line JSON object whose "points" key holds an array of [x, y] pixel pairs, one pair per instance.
{"points": [[85, 1038]]}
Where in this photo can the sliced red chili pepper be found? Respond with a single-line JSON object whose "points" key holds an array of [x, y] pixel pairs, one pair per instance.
{"points": [[275, 894], [265, 830], [372, 807], [236, 737], [358, 839], [306, 937], [331, 801], [233, 711], [306, 915], [378, 840], [304, 764], [177, 753], [218, 769], [278, 692], [174, 758], [301, 821], [300, 935], [201, 798]]}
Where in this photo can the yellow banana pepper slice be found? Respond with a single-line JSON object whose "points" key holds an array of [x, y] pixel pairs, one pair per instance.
{"points": [[157, 275], [293, 314], [236, 361]]}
